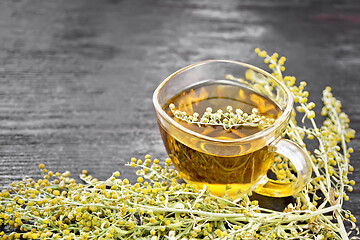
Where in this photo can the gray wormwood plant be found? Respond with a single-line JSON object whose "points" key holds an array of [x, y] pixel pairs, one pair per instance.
{"points": [[159, 206]]}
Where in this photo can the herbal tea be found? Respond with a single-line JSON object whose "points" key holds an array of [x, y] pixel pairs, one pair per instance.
{"points": [[237, 173]]}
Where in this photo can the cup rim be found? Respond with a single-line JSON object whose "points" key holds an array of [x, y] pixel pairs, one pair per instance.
{"points": [[260, 134]]}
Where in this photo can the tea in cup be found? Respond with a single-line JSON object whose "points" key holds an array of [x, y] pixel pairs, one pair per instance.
{"points": [[222, 127]]}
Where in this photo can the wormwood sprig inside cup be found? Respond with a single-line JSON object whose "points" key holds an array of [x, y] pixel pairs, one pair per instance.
{"points": [[159, 206], [227, 120]]}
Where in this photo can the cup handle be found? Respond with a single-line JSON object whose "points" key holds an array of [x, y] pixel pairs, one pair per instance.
{"points": [[302, 163]]}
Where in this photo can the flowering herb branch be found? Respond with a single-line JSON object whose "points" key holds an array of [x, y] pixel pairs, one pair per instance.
{"points": [[227, 120], [160, 206], [331, 160]]}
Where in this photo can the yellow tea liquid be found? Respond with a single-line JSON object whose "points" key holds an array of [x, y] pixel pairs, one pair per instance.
{"points": [[235, 174]]}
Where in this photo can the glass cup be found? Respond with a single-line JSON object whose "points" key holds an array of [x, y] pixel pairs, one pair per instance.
{"points": [[237, 165]]}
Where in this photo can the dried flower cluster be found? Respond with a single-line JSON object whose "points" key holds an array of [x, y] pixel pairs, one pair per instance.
{"points": [[160, 206]]}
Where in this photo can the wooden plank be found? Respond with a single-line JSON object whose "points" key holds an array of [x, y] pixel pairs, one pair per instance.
{"points": [[77, 77]]}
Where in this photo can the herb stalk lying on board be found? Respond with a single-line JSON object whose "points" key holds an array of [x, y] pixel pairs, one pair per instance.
{"points": [[159, 206]]}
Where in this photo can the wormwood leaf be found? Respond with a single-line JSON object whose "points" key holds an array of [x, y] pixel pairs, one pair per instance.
{"points": [[332, 197]]}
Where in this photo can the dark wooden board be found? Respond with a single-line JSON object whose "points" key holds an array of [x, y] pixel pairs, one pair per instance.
{"points": [[77, 77]]}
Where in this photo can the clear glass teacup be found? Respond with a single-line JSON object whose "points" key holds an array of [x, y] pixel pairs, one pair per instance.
{"points": [[216, 150]]}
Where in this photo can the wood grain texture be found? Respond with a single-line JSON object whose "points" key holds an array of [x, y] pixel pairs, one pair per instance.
{"points": [[77, 77]]}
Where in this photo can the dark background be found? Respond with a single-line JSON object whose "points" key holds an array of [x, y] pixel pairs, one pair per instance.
{"points": [[77, 76]]}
